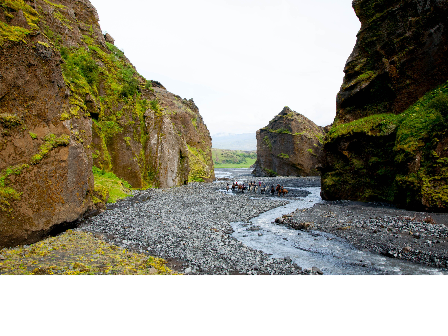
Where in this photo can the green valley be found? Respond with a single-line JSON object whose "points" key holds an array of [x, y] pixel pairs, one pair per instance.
{"points": [[224, 158]]}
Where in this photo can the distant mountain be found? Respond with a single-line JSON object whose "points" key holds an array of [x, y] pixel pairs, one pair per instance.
{"points": [[245, 142]]}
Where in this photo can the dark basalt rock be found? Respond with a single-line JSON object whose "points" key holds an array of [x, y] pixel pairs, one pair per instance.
{"points": [[289, 146], [389, 139]]}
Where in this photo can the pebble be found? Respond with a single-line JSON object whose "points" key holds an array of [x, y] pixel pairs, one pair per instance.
{"points": [[316, 270]]}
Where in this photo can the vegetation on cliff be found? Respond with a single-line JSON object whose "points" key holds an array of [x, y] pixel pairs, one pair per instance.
{"points": [[103, 85], [109, 186], [16, 33], [7, 193], [399, 55], [403, 157], [389, 141], [199, 162], [113, 91], [72, 101]]}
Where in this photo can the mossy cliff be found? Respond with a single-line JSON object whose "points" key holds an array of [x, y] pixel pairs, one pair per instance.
{"points": [[69, 101], [289, 146], [389, 141]]}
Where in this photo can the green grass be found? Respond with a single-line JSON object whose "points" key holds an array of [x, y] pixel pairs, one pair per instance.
{"points": [[223, 158], [247, 164], [117, 188]]}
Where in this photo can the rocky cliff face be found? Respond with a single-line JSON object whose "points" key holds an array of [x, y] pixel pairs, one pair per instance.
{"points": [[389, 139], [70, 99], [289, 146]]}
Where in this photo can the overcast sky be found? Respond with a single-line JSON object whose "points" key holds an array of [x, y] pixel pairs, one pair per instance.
{"points": [[241, 61]]}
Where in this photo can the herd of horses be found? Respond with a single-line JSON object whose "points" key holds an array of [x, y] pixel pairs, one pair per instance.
{"points": [[252, 186]]}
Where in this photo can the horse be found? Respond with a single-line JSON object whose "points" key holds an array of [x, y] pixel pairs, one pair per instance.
{"points": [[282, 191], [277, 189], [241, 188]]}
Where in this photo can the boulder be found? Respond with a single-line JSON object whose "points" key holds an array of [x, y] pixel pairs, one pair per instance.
{"points": [[289, 146]]}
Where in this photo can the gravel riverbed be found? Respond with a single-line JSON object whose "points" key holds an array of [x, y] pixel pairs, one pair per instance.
{"points": [[418, 237], [189, 226]]}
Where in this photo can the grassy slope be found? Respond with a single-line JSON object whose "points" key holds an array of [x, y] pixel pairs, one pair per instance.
{"points": [[117, 188]]}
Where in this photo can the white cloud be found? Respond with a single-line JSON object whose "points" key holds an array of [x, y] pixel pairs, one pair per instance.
{"points": [[240, 60]]}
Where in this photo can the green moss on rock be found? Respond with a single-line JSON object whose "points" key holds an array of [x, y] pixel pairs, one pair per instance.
{"points": [[402, 159], [12, 33], [51, 142], [8, 120], [8, 193], [10, 8]]}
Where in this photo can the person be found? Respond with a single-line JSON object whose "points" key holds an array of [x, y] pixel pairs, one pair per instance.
{"points": [[272, 190], [227, 187]]}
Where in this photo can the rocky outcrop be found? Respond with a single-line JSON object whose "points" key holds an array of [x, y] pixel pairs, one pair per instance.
{"points": [[70, 99], [389, 138], [289, 146]]}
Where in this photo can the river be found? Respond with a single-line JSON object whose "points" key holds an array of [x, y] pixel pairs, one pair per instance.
{"points": [[329, 253]]}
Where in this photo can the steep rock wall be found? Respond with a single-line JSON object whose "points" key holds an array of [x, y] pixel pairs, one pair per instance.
{"points": [[69, 99], [388, 141], [289, 146]]}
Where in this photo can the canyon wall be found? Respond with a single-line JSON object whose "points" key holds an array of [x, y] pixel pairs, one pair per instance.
{"points": [[70, 99], [389, 140]]}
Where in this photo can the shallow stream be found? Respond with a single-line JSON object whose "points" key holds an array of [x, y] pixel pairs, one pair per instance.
{"points": [[329, 253]]}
